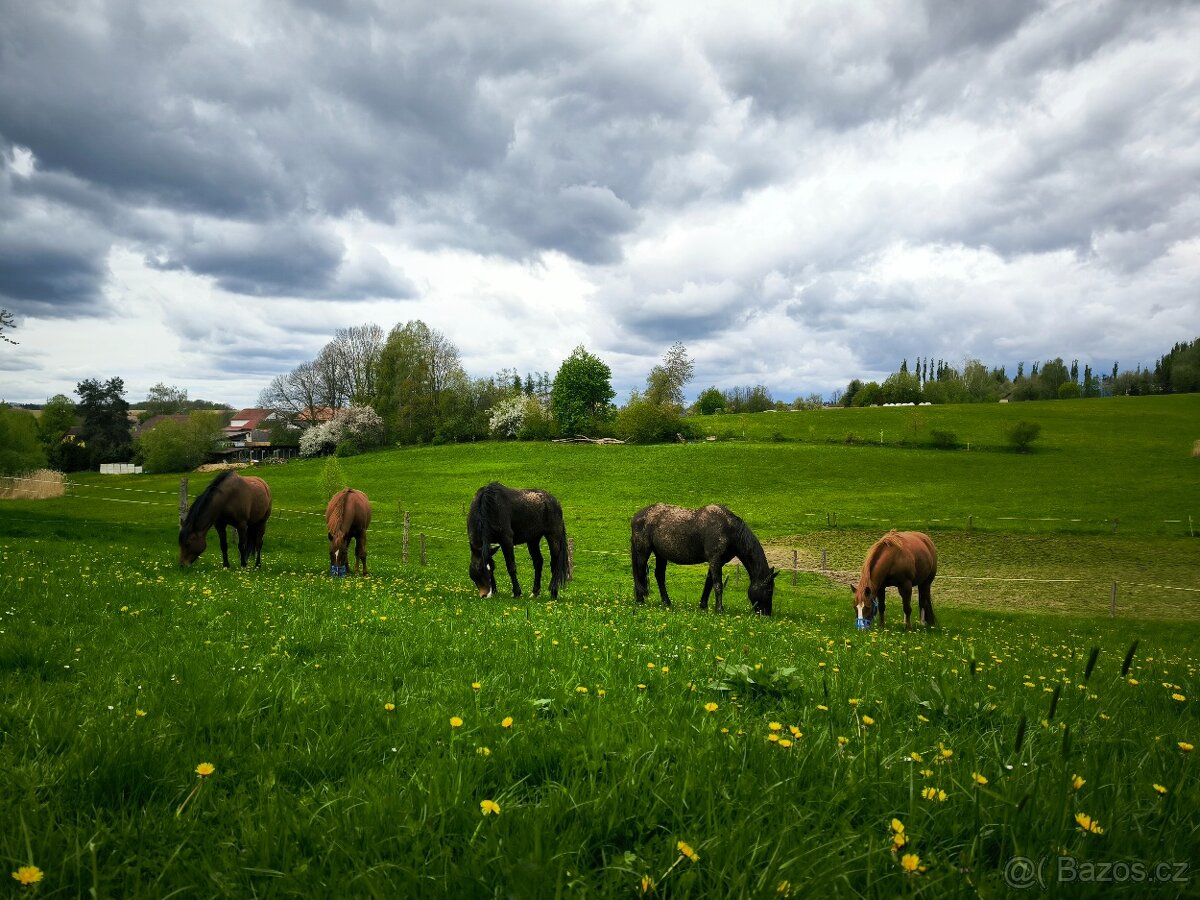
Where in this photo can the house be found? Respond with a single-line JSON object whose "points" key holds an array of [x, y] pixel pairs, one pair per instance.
{"points": [[247, 438], [315, 415], [153, 422]]}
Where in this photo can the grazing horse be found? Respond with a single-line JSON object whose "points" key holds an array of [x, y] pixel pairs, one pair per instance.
{"points": [[347, 516], [899, 559], [505, 516], [713, 535], [230, 499]]}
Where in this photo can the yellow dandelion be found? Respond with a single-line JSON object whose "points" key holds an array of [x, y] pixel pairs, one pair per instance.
{"points": [[915, 757], [910, 863], [1087, 824], [785, 743], [822, 707], [1159, 788], [1178, 697], [927, 773], [205, 769], [934, 793], [475, 685], [599, 692], [506, 722], [665, 670], [784, 889], [1133, 681], [1186, 747], [897, 826], [641, 687], [489, 807], [947, 753], [389, 707], [724, 731], [483, 751], [455, 722], [139, 713], [773, 738], [980, 779], [28, 875], [710, 707], [647, 884], [921, 718], [796, 732], [853, 701], [898, 842], [868, 721], [687, 851], [842, 741], [775, 726], [1077, 782], [582, 689]]}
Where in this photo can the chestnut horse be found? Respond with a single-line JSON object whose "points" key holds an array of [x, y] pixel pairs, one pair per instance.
{"points": [[230, 499], [899, 559], [506, 516], [347, 516], [710, 535]]}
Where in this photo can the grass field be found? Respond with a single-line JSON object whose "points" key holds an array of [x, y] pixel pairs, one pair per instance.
{"points": [[326, 705]]}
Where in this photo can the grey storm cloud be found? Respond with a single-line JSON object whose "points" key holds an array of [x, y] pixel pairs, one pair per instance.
{"points": [[680, 157]]}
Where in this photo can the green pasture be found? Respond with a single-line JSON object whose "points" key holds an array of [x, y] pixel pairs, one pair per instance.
{"points": [[325, 705]]}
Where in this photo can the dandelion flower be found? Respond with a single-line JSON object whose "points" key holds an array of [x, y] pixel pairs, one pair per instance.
{"points": [[911, 863], [842, 741], [897, 826], [785, 743], [947, 753], [28, 875], [483, 751], [1087, 824], [1133, 681], [647, 884], [775, 726], [868, 721], [853, 701], [205, 769], [641, 686], [389, 707], [822, 707], [927, 773], [710, 707], [475, 685], [934, 793], [139, 713], [1186, 747], [921, 718], [784, 889], [581, 689], [1178, 697], [488, 807], [773, 738], [915, 756], [506, 722], [980, 779], [1159, 788], [898, 842], [455, 722], [796, 732], [1077, 782], [687, 851]]}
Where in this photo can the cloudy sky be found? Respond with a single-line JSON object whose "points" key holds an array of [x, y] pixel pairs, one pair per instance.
{"points": [[802, 193]]}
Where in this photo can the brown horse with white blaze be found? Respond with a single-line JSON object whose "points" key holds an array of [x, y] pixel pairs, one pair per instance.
{"points": [[899, 559], [347, 516], [229, 500]]}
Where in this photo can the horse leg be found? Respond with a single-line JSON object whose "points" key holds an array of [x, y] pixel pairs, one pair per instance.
{"points": [[906, 595], [881, 604], [925, 602], [244, 548], [535, 554], [660, 575], [708, 583], [556, 551], [641, 566], [714, 572], [511, 564], [224, 545], [360, 550], [256, 542]]}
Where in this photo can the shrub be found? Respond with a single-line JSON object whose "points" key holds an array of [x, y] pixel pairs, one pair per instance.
{"points": [[645, 422], [538, 424], [346, 447], [1024, 433], [333, 477], [943, 439], [1068, 390]]}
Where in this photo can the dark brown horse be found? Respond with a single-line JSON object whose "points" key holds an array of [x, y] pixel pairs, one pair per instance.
{"points": [[347, 516], [899, 559], [230, 499], [710, 535], [504, 516]]}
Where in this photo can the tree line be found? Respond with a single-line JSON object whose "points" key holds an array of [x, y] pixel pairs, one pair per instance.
{"points": [[937, 381]]}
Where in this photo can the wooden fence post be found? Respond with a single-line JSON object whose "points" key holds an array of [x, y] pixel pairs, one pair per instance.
{"points": [[182, 500], [824, 561], [570, 558], [970, 523], [737, 571], [1112, 603], [422, 548], [407, 523], [795, 568]]}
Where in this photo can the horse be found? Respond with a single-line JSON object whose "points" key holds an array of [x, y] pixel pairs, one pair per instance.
{"points": [[713, 535], [347, 516], [506, 517], [230, 499], [899, 559]]}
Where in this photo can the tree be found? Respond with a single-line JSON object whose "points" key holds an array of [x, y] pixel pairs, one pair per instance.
{"points": [[582, 394], [642, 421], [20, 449], [710, 402], [105, 414], [852, 389], [6, 322], [664, 384], [164, 401], [57, 418], [417, 364], [1024, 433], [173, 446], [298, 392], [357, 350]]}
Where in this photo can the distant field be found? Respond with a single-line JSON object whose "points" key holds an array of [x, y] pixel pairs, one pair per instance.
{"points": [[778, 750]]}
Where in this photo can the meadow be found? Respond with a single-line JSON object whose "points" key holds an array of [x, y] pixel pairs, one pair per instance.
{"points": [[395, 735]]}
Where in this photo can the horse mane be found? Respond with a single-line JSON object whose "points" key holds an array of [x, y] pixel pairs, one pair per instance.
{"points": [[749, 547], [337, 517], [199, 509], [484, 513], [889, 540]]}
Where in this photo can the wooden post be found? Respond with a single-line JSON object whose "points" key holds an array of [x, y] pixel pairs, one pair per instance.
{"points": [[835, 520], [795, 568], [570, 558], [422, 548], [1112, 603], [407, 523], [182, 500], [826, 520], [970, 523], [824, 560]]}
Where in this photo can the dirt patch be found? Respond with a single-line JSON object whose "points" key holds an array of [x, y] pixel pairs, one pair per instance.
{"points": [[221, 467]]}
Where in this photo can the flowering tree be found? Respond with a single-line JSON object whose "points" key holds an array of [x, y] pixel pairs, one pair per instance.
{"points": [[360, 424], [507, 418]]}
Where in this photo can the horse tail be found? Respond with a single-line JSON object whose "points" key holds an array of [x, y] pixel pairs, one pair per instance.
{"points": [[560, 563], [639, 554]]}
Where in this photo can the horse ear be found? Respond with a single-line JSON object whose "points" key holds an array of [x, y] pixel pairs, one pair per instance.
{"points": [[775, 573], [854, 589]]}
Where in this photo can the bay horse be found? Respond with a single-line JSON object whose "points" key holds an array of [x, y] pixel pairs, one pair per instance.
{"points": [[347, 516], [712, 535], [899, 559], [504, 516], [229, 499]]}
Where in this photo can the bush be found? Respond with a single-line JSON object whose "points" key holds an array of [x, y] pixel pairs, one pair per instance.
{"points": [[538, 424], [346, 447], [179, 446], [1021, 435], [20, 449], [644, 422], [943, 440], [1068, 390]]}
